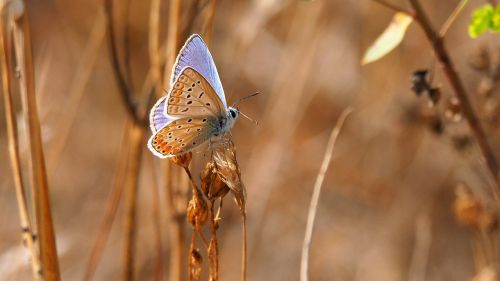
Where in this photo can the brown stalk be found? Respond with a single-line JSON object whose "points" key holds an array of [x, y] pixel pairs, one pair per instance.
{"points": [[393, 7], [451, 74], [213, 248], [176, 220], [175, 226], [77, 89], [304, 263], [158, 275], [38, 173], [208, 22], [173, 38], [131, 186], [112, 204], [10, 118], [126, 90]]}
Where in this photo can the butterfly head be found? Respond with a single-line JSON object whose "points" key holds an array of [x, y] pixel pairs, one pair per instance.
{"points": [[232, 115]]}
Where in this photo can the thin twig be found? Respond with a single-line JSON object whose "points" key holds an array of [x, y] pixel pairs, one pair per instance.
{"points": [[459, 90], [112, 203], [10, 118], [126, 91], [46, 235], [158, 275], [175, 226], [304, 263], [208, 21], [173, 39], [244, 251], [451, 19], [393, 7], [131, 186]]}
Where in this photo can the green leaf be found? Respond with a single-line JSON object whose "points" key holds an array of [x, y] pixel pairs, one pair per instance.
{"points": [[495, 20], [389, 39], [482, 20]]}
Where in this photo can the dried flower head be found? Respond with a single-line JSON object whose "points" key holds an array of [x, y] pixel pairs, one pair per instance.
{"points": [[211, 183], [197, 210], [195, 261], [227, 168], [182, 160]]}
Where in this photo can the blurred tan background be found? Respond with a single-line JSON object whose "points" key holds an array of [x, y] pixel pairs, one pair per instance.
{"points": [[386, 209]]}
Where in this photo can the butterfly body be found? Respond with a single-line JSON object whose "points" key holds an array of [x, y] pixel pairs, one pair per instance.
{"points": [[195, 110]]}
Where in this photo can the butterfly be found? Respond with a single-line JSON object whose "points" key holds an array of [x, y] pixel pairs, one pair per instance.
{"points": [[194, 110]]}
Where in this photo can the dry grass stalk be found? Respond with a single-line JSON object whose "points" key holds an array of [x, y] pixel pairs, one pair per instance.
{"points": [[208, 20], [112, 204], [24, 62], [131, 186], [304, 263], [26, 226], [77, 89], [155, 198]]}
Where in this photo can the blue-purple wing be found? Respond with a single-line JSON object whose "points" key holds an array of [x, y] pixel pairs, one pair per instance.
{"points": [[195, 54], [158, 117]]}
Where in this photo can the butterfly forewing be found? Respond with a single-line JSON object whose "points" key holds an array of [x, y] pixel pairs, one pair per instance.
{"points": [[192, 95], [195, 54], [182, 135]]}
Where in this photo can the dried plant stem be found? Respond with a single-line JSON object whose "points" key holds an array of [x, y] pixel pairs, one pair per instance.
{"points": [[393, 7], [112, 204], [48, 251], [131, 186], [304, 263], [154, 46], [158, 275], [451, 19], [175, 227], [456, 83], [213, 248], [77, 90], [244, 251], [10, 118], [208, 22], [173, 38], [126, 90]]}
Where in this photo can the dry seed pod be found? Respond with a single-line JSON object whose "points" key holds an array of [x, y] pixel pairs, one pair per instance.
{"points": [[211, 183], [197, 211], [226, 166], [195, 262], [480, 58], [182, 160]]}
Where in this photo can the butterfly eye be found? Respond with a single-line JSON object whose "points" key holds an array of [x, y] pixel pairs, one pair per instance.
{"points": [[233, 114]]}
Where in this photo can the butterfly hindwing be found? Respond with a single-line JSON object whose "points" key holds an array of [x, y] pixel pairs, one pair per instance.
{"points": [[157, 117], [192, 95], [182, 135], [195, 54]]}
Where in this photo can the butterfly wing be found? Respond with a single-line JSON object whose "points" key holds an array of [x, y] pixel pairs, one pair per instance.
{"points": [[182, 135], [157, 117], [195, 54], [192, 95]]}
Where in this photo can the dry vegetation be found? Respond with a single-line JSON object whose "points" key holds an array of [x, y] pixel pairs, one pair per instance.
{"points": [[409, 195]]}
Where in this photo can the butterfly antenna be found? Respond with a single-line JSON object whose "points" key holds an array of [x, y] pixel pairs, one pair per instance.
{"points": [[252, 120], [244, 98]]}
